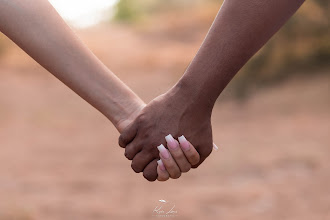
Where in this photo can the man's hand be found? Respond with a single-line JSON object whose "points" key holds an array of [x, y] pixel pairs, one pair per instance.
{"points": [[171, 113]]}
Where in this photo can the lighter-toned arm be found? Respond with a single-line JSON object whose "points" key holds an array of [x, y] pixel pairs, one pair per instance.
{"points": [[38, 29]]}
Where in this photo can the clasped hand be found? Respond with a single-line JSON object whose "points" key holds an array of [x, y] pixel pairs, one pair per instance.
{"points": [[188, 139]]}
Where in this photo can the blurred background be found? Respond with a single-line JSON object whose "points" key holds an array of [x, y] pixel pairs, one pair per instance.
{"points": [[59, 157]]}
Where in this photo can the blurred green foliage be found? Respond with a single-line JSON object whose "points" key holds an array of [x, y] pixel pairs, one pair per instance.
{"points": [[126, 10], [300, 47], [131, 11]]}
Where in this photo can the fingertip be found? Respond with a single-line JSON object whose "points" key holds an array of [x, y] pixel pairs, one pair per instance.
{"points": [[162, 174], [176, 175], [151, 178], [121, 141], [135, 167], [128, 135], [184, 143], [161, 165], [198, 164], [128, 155], [186, 168], [150, 171], [195, 158]]}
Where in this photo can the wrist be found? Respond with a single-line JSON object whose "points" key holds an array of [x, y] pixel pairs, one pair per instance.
{"points": [[191, 96], [126, 112], [122, 123], [108, 94]]}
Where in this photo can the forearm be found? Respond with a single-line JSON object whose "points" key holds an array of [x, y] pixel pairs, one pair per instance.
{"points": [[37, 28], [240, 29]]}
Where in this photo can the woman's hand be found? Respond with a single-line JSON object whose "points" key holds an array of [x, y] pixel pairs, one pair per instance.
{"points": [[172, 113], [177, 159]]}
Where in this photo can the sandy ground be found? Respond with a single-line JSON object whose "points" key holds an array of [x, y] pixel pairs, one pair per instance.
{"points": [[59, 158]]}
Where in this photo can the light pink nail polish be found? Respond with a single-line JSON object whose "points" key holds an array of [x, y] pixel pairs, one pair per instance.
{"points": [[163, 151], [184, 143], [171, 143], [215, 147], [161, 165]]}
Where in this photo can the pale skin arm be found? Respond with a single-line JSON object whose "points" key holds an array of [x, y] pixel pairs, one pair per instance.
{"points": [[38, 29]]}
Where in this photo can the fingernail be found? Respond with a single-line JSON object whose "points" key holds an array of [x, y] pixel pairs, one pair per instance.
{"points": [[184, 143], [215, 147], [171, 142], [161, 165], [163, 151]]}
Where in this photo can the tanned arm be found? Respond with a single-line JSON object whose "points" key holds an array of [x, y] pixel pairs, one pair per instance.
{"points": [[240, 29]]}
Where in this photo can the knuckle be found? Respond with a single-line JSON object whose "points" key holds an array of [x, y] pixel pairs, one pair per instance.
{"points": [[136, 167], [142, 118], [150, 176], [153, 152], [176, 175], [206, 151], [195, 159], [170, 166], [196, 165], [186, 168], [121, 141], [161, 179], [179, 155], [147, 153], [128, 155], [145, 135]]}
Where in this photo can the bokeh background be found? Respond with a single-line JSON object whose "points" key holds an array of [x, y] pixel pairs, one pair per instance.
{"points": [[59, 158]]}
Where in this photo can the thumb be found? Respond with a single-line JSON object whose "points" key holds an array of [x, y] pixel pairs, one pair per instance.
{"points": [[204, 153], [128, 134]]}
